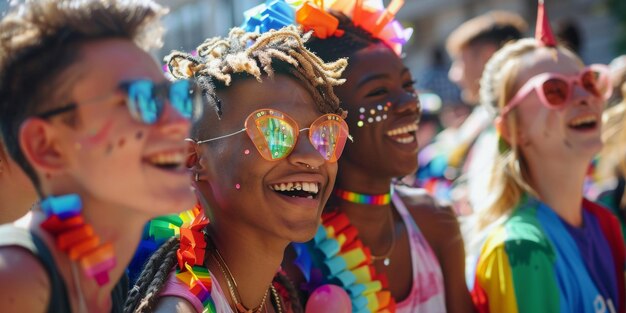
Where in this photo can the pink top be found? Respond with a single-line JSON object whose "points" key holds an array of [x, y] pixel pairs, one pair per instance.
{"points": [[175, 288], [428, 292]]}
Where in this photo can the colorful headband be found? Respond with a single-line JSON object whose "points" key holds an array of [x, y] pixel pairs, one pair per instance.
{"points": [[313, 15], [543, 31]]}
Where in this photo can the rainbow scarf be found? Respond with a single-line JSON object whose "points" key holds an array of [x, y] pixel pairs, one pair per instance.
{"points": [[337, 256], [532, 263]]}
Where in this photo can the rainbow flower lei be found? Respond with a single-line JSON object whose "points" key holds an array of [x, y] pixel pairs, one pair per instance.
{"points": [[337, 256], [313, 15], [189, 228]]}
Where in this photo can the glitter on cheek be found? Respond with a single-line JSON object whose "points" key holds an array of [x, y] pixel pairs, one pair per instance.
{"points": [[139, 135], [237, 186], [246, 152]]}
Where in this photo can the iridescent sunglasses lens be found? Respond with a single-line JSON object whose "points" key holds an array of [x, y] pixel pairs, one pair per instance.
{"points": [[272, 132], [275, 134], [328, 134]]}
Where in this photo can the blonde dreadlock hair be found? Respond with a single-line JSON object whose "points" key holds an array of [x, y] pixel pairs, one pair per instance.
{"points": [[220, 61]]}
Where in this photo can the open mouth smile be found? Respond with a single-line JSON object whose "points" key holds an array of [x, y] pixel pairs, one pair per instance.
{"points": [[297, 189], [403, 134]]}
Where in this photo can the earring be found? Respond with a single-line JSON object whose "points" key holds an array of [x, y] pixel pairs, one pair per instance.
{"points": [[197, 177]]}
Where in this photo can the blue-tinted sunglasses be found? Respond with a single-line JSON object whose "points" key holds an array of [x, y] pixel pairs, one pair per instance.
{"points": [[146, 99]]}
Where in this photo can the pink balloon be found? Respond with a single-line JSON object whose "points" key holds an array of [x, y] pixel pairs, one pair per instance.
{"points": [[329, 298]]}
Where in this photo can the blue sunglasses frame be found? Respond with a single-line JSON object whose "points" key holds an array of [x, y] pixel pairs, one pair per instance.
{"points": [[146, 99]]}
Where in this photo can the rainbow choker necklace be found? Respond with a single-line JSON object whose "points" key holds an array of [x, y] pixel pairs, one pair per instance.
{"points": [[360, 198]]}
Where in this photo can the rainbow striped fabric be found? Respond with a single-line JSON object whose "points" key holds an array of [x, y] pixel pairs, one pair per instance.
{"points": [[535, 262]]}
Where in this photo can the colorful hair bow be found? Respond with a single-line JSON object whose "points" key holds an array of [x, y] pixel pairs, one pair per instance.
{"points": [[273, 14], [314, 15]]}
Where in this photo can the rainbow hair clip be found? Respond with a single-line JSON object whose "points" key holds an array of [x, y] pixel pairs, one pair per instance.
{"points": [[313, 15]]}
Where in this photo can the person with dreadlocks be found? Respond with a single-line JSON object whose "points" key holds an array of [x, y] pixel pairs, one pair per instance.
{"points": [[547, 249], [88, 115], [388, 247], [264, 166]]}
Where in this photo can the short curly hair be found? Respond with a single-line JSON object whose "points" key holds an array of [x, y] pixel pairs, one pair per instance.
{"points": [[40, 39]]}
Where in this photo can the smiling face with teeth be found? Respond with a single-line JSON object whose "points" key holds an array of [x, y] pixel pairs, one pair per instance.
{"points": [[572, 131], [376, 76], [107, 156], [276, 199]]}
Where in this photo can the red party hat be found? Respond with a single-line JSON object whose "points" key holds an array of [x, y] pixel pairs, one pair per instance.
{"points": [[543, 31]]}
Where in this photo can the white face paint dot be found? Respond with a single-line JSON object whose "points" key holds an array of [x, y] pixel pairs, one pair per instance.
{"points": [[378, 119], [369, 120], [362, 110]]}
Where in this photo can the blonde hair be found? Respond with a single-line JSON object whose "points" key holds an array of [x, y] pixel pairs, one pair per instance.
{"points": [[510, 176], [613, 156]]}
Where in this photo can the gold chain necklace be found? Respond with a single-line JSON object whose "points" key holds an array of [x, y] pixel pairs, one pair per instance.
{"points": [[386, 256], [279, 304], [232, 285]]}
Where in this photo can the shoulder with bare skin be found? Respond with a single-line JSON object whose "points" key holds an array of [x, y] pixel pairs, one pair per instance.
{"points": [[437, 221], [25, 284], [440, 226]]}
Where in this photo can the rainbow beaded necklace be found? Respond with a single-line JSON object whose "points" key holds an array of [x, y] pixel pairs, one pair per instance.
{"points": [[361, 198]]}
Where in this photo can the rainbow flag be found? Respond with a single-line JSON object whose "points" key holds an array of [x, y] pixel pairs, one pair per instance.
{"points": [[535, 262]]}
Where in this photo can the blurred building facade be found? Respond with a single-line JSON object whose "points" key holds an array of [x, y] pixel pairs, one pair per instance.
{"points": [[191, 21]]}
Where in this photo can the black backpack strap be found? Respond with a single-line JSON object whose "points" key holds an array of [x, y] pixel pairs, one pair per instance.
{"points": [[19, 237]]}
